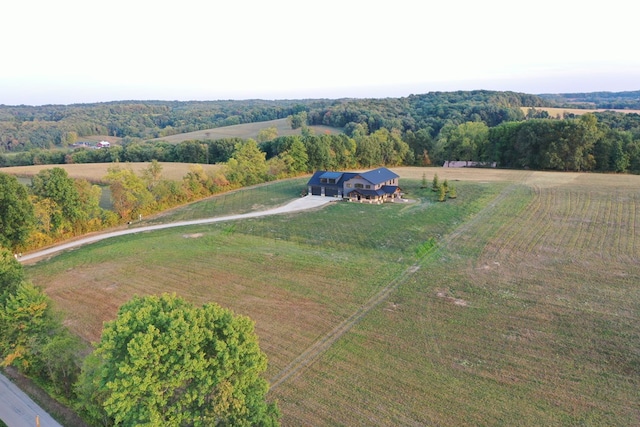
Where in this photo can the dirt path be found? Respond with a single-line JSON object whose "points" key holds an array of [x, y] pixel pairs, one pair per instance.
{"points": [[301, 204]]}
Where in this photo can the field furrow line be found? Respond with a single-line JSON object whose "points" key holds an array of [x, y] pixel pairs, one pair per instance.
{"points": [[539, 225], [604, 251], [633, 251], [517, 236], [590, 242], [585, 216], [324, 343], [318, 348]]}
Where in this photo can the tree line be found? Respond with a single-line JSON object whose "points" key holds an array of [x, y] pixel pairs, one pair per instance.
{"points": [[56, 207], [432, 125]]}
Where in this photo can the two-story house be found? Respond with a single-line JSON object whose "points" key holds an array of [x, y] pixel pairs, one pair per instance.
{"points": [[375, 186]]}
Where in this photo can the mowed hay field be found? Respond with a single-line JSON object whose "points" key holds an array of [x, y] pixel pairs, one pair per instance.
{"points": [[244, 131], [560, 111], [95, 172], [526, 313]]}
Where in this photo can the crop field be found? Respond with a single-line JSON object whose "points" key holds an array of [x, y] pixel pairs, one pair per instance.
{"points": [[526, 311], [559, 112], [245, 130], [95, 172]]}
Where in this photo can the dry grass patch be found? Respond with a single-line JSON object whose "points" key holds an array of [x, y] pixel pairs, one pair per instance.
{"points": [[95, 172], [559, 112], [244, 131]]}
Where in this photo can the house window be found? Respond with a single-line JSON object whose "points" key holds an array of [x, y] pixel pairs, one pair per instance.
{"points": [[348, 185], [359, 186], [367, 186]]}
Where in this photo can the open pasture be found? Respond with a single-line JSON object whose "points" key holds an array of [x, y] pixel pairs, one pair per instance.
{"points": [[560, 111], [95, 172], [244, 131], [525, 313]]}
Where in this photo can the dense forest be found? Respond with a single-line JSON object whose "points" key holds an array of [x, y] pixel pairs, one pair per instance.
{"points": [[507, 128]]}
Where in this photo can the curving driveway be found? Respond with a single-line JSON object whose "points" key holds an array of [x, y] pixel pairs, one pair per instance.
{"points": [[301, 204]]}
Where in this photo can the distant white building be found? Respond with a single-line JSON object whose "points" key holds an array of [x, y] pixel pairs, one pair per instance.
{"points": [[103, 144], [468, 164]]}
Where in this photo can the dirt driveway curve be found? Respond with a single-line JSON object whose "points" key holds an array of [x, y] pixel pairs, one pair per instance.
{"points": [[301, 204]]}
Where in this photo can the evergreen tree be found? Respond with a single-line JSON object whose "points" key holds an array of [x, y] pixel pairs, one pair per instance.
{"points": [[435, 184]]}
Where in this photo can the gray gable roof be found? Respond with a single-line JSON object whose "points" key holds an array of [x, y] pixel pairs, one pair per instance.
{"points": [[339, 176], [378, 176]]}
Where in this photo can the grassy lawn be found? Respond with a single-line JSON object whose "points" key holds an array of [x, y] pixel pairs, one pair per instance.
{"points": [[526, 313]]}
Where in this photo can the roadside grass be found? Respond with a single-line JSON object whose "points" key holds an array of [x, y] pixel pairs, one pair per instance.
{"points": [[525, 312]]}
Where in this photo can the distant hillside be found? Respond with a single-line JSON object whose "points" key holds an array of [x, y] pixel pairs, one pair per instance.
{"points": [[597, 100], [244, 131], [26, 128]]}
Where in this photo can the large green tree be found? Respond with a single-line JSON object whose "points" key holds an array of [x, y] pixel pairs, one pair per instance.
{"points": [[129, 193], [248, 165], [11, 274], [16, 212], [66, 208], [164, 362]]}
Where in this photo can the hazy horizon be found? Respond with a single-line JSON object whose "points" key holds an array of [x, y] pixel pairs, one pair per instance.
{"points": [[68, 53]]}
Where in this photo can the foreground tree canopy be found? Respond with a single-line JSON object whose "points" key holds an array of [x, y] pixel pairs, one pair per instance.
{"points": [[165, 362]]}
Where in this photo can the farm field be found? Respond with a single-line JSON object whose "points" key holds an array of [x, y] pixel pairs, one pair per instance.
{"points": [[245, 131], [558, 111], [526, 312], [95, 172]]}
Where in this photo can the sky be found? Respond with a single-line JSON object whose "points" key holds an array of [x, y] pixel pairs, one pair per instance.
{"points": [[70, 51]]}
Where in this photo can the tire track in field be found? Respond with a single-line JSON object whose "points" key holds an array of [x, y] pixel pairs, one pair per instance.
{"points": [[316, 350]]}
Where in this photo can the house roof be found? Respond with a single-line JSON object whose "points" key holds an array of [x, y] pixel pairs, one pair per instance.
{"points": [[378, 176], [340, 177], [386, 189], [331, 175]]}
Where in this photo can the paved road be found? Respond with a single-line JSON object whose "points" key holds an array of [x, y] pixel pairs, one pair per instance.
{"points": [[18, 410], [303, 203]]}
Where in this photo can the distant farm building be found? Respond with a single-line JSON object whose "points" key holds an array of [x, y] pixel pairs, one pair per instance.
{"points": [[103, 144], [468, 164], [375, 186]]}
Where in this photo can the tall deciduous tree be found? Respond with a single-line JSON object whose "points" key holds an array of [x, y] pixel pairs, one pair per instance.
{"points": [[11, 274], [56, 185], [267, 134], [16, 212], [248, 166], [129, 193], [163, 361]]}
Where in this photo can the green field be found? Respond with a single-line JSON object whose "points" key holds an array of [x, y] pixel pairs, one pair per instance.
{"points": [[244, 131], [526, 312]]}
